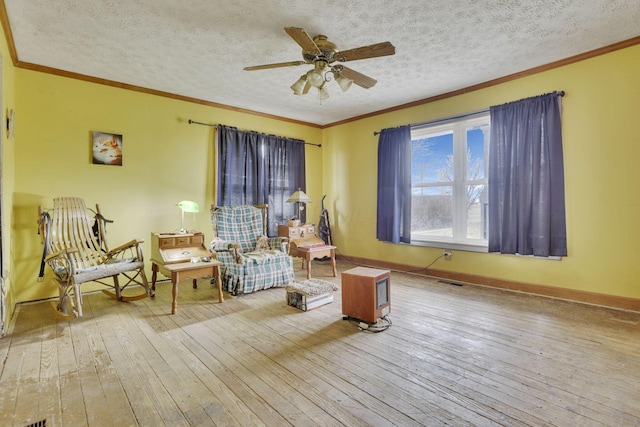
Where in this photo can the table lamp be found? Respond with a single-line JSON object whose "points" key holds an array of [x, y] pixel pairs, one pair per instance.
{"points": [[187, 206], [299, 197]]}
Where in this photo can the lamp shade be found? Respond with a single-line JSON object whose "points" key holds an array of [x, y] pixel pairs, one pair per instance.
{"points": [[343, 82], [299, 197], [323, 93], [315, 78], [298, 86], [189, 206]]}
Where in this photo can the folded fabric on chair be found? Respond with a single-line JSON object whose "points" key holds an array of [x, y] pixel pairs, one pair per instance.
{"points": [[258, 257]]}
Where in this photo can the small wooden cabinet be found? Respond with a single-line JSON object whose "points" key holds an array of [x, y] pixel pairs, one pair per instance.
{"points": [[302, 235], [168, 248]]}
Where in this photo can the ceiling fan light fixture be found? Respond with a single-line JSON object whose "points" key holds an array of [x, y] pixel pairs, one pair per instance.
{"points": [[323, 93], [343, 82], [323, 54], [298, 86], [316, 78]]}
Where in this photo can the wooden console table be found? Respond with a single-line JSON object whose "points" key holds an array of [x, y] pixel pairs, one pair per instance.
{"points": [[172, 255]]}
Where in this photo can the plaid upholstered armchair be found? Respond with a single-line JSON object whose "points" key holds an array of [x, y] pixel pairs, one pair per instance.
{"points": [[251, 260]]}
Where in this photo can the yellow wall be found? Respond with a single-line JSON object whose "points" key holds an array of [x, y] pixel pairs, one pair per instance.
{"points": [[7, 169], [602, 172], [165, 160]]}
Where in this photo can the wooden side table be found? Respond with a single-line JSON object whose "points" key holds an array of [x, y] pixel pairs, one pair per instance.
{"points": [[308, 253], [187, 270]]}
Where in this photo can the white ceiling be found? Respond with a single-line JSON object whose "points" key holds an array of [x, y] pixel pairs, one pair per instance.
{"points": [[198, 48]]}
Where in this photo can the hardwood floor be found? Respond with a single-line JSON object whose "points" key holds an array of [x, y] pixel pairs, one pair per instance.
{"points": [[455, 355]]}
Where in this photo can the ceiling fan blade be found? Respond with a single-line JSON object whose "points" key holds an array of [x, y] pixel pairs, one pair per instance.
{"points": [[371, 51], [300, 36], [358, 78], [277, 65]]}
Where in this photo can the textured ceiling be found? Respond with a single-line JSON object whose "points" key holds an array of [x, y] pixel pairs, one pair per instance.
{"points": [[198, 48]]}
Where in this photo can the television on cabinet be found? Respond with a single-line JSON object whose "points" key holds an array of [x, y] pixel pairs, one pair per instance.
{"points": [[366, 293]]}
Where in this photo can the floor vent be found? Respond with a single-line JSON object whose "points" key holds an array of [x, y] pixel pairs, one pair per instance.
{"points": [[447, 282], [41, 423]]}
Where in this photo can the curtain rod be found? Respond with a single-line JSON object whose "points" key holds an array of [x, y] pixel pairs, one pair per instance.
{"points": [[191, 122], [560, 92]]}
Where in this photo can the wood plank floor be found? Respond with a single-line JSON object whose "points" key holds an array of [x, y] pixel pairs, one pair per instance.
{"points": [[455, 356]]}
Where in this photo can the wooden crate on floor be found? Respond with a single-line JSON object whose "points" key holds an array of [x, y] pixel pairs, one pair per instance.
{"points": [[310, 294], [305, 302]]}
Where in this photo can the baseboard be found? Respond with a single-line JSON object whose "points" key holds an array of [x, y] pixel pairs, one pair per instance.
{"points": [[611, 301]]}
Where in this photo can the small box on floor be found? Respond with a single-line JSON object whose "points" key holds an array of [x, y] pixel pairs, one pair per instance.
{"points": [[307, 302], [310, 294]]}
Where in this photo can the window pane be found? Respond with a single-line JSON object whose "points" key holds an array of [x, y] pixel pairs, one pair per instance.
{"points": [[432, 213], [477, 208], [432, 159], [475, 154]]}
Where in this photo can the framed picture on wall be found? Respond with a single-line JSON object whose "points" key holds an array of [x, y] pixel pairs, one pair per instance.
{"points": [[106, 148]]}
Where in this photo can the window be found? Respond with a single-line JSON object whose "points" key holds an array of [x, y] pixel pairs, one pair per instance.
{"points": [[449, 187], [256, 168]]}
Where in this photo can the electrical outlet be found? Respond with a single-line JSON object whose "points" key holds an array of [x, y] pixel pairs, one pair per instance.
{"points": [[447, 255]]}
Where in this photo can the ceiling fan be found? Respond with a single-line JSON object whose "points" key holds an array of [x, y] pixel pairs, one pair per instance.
{"points": [[322, 53]]}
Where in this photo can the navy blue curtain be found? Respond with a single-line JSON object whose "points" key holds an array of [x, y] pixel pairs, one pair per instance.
{"points": [[255, 168], [394, 185], [526, 178]]}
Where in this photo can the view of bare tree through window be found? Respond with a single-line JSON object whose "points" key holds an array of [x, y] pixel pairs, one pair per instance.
{"points": [[449, 182], [431, 202]]}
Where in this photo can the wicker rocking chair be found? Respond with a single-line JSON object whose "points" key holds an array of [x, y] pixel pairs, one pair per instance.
{"points": [[75, 247]]}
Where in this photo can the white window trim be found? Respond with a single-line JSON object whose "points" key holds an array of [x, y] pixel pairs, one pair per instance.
{"points": [[458, 126]]}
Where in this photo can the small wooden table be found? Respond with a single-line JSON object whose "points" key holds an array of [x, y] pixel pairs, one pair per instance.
{"points": [[308, 253], [187, 270]]}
